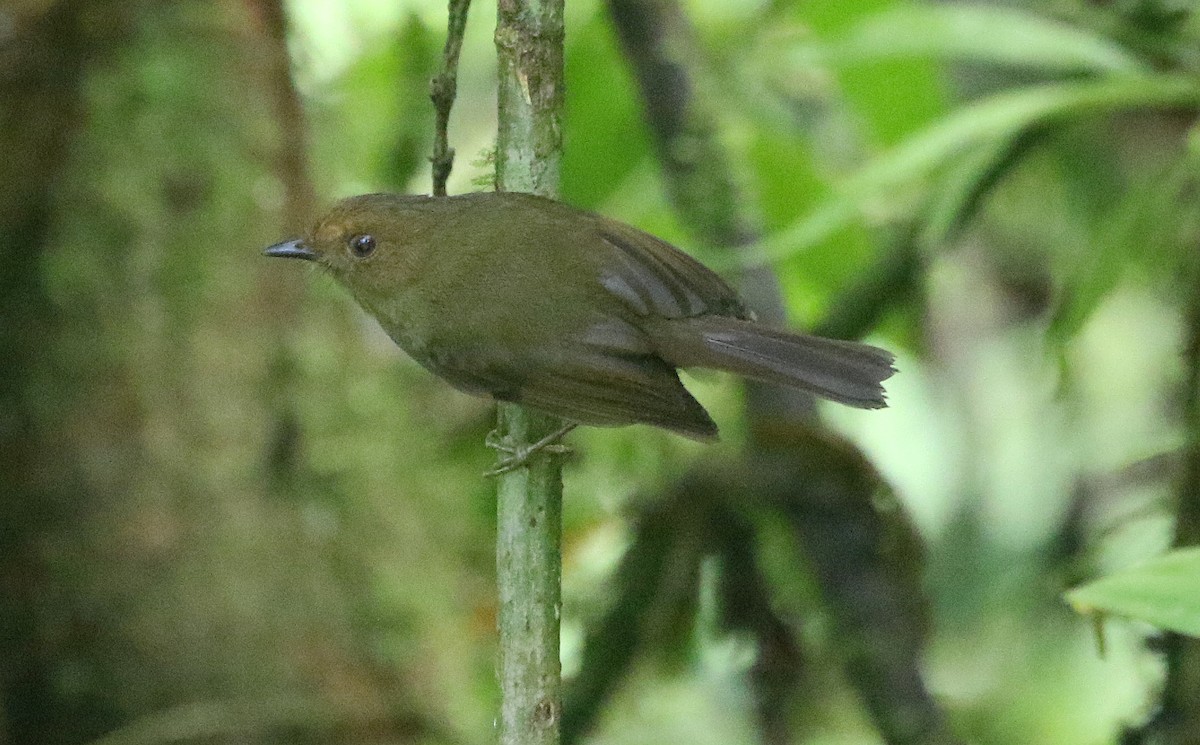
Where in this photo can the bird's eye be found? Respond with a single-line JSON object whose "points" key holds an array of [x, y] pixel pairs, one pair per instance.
{"points": [[362, 246]]}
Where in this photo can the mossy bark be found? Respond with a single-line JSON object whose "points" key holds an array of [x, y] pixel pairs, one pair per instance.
{"points": [[162, 570], [529, 44]]}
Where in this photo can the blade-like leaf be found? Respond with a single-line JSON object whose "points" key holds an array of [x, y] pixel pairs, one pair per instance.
{"points": [[995, 119], [600, 104], [1164, 592], [1139, 231], [965, 187], [976, 33], [1004, 115]]}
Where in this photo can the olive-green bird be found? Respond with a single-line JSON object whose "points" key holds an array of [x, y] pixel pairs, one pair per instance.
{"points": [[529, 300]]}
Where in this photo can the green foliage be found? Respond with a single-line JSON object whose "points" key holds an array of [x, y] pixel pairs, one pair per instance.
{"points": [[895, 94], [1164, 591], [381, 111], [604, 137], [976, 33], [1005, 194]]}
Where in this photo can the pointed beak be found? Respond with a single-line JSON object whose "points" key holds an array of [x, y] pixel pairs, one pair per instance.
{"points": [[291, 250]]}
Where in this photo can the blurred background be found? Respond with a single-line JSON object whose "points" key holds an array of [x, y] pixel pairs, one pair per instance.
{"points": [[231, 511]]}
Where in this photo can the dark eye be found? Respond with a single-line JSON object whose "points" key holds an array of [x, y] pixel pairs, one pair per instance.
{"points": [[362, 246]]}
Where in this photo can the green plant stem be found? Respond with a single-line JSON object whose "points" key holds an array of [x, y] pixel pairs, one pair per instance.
{"points": [[529, 577], [529, 38], [442, 90], [1179, 716], [529, 48]]}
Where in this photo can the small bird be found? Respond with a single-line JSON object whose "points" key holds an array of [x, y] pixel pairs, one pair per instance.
{"points": [[529, 300]]}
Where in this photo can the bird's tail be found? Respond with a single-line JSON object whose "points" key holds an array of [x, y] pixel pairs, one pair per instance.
{"points": [[844, 371]]}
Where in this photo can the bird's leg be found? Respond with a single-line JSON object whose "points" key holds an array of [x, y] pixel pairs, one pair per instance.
{"points": [[516, 457]]}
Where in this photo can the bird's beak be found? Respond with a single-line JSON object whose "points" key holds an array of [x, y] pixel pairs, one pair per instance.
{"points": [[294, 249]]}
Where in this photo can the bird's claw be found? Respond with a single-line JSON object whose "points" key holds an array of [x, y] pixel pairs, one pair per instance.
{"points": [[515, 457]]}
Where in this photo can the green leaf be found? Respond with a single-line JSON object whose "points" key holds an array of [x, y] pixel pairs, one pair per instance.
{"points": [[976, 33], [957, 198], [900, 171], [788, 183], [1005, 115], [1164, 592], [605, 138], [892, 97], [374, 126], [1138, 231]]}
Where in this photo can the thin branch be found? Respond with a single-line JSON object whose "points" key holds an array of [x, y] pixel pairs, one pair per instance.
{"points": [[529, 48], [442, 90]]}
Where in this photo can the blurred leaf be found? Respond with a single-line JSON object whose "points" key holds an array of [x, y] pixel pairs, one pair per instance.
{"points": [[654, 606], [995, 119], [893, 97], [378, 124], [1006, 114], [977, 33], [604, 131], [887, 284], [788, 185], [962, 189], [1137, 231], [1156, 16], [1164, 592], [410, 147], [786, 181]]}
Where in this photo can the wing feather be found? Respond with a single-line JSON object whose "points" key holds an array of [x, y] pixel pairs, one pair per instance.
{"points": [[613, 390], [653, 278], [608, 376]]}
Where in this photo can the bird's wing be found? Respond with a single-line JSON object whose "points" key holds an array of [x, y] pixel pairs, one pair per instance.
{"points": [[606, 389], [606, 376], [653, 278]]}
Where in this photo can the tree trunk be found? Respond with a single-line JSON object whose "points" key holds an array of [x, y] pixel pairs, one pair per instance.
{"points": [[158, 573]]}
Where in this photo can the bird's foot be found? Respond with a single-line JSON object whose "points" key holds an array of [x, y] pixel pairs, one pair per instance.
{"points": [[514, 457]]}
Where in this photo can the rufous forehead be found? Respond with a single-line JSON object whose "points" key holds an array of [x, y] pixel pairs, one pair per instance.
{"points": [[328, 232]]}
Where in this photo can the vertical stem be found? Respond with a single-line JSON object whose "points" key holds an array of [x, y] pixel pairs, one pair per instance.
{"points": [[442, 90], [1178, 719], [529, 46], [529, 573]]}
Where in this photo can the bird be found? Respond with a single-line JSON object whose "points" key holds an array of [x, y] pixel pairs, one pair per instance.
{"points": [[530, 300]]}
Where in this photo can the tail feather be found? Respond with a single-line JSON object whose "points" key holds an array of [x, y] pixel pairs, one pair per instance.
{"points": [[844, 371]]}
